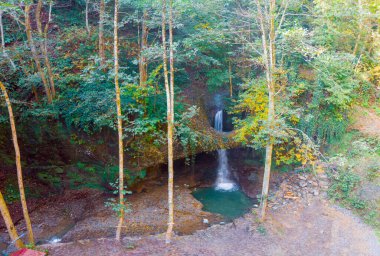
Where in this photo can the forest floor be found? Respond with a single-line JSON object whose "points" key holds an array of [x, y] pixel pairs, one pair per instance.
{"points": [[82, 214], [300, 221], [302, 226]]}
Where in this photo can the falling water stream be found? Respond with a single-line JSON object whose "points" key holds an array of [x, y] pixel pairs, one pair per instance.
{"points": [[223, 181], [225, 198]]}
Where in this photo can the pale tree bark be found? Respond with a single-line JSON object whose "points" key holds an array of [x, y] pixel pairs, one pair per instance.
{"points": [[102, 54], [360, 27], [18, 167], [230, 75], [143, 64], [43, 45], [268, 46], [119, 124], [87, 24], [35, 55], [169, 88], [5, 54], [9, 223]]}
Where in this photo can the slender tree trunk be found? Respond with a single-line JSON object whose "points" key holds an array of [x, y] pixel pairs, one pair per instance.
{"points": [[9, 223], [272, 48], [87, 24], [170, 116], [270, 62], [47, 60], [3, 42], [268, 160], [18, 166], [169, 125], [171, 50], [360, 28], [102, 54], [144, 44], [230, 74], [264, 42], [43, 37], [165, 62], [119, 124], [35, 55]]}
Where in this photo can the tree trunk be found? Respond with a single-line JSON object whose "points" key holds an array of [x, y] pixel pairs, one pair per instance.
{"points": [[3, 42], [268, 160], [9, 223], [43, 37], [47, 60], [18, 166], [230, 75], [143, 65], [360, 6], [170, 112], [119, 124], [169, 125], [270, 62], [87, 25], [102, 54], [34, 53]]}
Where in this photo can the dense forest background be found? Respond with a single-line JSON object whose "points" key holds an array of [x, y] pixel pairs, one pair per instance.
{"points": [[57, 65], [327, 56]]}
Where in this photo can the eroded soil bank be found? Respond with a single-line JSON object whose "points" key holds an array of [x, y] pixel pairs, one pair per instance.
{"points": [[82, 214], [304, 225]]}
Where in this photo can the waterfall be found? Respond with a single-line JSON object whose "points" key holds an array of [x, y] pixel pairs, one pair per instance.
{"points": [[223, 181]]}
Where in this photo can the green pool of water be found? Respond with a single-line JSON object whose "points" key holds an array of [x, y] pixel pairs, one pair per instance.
{"points": [[230, 204]]}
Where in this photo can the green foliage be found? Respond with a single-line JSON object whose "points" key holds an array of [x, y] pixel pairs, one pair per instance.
{"points": [[50, 178], [115, 204], [343, 186], [336, 80], [261, 229], [357, 163], [100, 176], [11, 193], [323, 126], [185, 134], [253, 103]]}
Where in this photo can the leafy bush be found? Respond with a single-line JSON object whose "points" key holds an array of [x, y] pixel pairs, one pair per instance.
{"points": [[356, 161], [343, 185], [100, 177], [11, 193], [50, 178]]}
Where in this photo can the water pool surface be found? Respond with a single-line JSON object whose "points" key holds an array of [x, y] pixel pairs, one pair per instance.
{"points": [[230, 204]]}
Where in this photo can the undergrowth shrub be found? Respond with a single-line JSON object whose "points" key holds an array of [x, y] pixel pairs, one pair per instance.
{"points": [[343, 186]]}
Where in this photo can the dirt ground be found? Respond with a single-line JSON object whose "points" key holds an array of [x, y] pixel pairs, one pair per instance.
{"points": [[366, 121], [297, 229], [82, 214]]}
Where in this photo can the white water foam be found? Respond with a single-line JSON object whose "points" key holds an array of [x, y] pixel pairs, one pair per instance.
{"points": [[223, 182]]}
